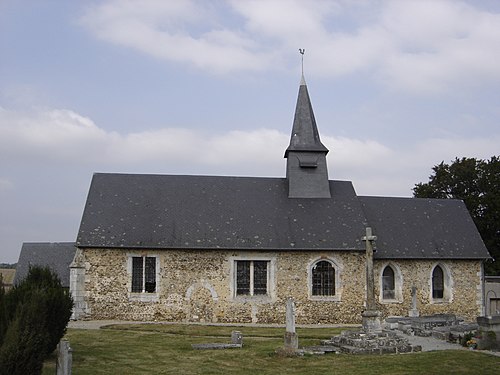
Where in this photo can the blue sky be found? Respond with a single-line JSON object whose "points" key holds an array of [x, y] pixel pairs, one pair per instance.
{"points": [[209, 87]]}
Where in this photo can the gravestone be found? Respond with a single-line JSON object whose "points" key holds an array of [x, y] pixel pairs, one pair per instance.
{"points": [[291, 339], [236, 338], [64, 358]]}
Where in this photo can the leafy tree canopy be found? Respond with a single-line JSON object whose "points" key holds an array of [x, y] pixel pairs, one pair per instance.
{"points": [[477, 183]]}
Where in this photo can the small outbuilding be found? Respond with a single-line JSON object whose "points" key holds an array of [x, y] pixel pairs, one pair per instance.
{"points": [[55, 255]]}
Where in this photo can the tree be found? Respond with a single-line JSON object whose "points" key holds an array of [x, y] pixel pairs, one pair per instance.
{"points": [[477, 183], [33, 318], [26, 339]]}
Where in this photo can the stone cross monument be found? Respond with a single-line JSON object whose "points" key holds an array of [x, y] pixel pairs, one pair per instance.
{"points": [[414, 310], [371, 317]]}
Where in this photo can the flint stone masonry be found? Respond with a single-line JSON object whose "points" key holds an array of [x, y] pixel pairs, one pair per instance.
{"points": [[197, 285], [465, 300]]}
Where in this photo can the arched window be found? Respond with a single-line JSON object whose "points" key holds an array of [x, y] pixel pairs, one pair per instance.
{"points": [[323, 279], [391, 283], [388, 283], [437, 283]]}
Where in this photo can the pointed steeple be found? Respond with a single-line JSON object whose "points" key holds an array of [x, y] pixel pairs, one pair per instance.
{"points": [[307, 172], [305, 135]]}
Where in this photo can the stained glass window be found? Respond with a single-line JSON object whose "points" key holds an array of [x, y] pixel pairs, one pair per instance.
{"points": [[251, 277], [323, 279], [438, 283], [143, 274], [388, 283]]}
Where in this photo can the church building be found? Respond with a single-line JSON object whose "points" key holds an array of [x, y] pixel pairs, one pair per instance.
{"points": [[232, 249]]}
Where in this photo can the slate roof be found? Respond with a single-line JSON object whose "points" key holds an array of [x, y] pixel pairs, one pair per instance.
{"points": [[55, 255], [423, 228], [305, 134], [252, 213], [208, 212]]}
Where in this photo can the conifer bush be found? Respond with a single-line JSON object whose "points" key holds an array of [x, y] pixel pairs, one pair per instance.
{"points": [[33, 318], [26, 339]]}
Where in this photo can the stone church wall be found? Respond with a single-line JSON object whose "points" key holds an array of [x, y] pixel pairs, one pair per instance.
{"points": [[198, 285], [465, 297]]}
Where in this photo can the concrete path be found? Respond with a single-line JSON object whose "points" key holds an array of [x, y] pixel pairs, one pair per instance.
{"points": [[429, 344]]}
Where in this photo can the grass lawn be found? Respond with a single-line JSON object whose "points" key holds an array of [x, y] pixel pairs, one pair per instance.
{"points": [[166, 349]]}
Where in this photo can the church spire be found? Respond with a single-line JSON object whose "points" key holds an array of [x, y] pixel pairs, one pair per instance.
{"points": [[305, 135], [307, 172]]}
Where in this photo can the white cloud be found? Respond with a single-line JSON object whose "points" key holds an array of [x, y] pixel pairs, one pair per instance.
{"points": [[181, 31], [66, 138], [49, 134], [421, 46], [356, 152], [394, 172], [437, 44], [287, 20]]}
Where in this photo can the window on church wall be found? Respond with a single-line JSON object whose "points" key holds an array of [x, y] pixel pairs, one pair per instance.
{"points": [[150, 275], [437, 283], [143, 274], [260, 277], [323, 279], [388, 283], [391, 284], [251, 277], [243, 277]]}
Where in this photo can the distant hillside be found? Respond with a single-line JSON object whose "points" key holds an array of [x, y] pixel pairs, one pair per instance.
{"points": [[7, 265]]}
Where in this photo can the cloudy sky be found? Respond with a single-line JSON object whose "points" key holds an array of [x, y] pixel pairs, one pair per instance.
{"points": [[209, 87]]}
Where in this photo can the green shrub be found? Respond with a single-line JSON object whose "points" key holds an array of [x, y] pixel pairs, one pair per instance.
{"points": [[26, 339], [33, 318]]}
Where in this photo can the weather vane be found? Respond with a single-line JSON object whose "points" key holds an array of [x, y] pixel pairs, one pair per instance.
{"points": [[302, 51]]}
